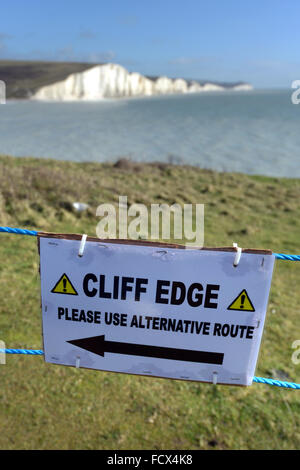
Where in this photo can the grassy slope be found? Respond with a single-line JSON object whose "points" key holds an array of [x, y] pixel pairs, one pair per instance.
{"points": [[46, 406]]}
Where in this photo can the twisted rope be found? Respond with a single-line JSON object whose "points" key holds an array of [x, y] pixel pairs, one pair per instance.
{"points": [[277, 383], [19, 231], [261, 380], [284, 257], [33, 233], [32, 352]]}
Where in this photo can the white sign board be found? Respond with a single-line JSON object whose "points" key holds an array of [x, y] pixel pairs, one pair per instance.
{"points": [[154, 310]]}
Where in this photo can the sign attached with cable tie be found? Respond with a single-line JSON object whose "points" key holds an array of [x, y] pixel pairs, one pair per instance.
{"points": [[153, 309]]}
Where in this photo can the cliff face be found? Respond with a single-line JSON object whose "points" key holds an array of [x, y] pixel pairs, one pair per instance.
{"points": [[114, 81], [24, 78]]}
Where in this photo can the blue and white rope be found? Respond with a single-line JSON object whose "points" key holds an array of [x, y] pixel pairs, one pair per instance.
{"points": [[285, 257], [277, 383], [33, 233], [31, 352], [18, 231], [260, 380]]}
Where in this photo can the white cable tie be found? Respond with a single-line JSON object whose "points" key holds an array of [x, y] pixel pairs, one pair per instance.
{"points": [[238, 254], [82, 245]]}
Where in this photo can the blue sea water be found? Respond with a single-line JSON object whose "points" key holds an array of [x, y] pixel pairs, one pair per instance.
{"points": [[256, 132]]}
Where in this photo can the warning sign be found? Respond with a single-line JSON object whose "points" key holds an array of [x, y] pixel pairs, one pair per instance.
{"points": [[242, 302], [64, 286], [147, 309]]}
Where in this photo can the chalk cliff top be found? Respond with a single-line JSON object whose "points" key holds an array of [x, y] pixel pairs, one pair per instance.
{"points": [[74, 81]]}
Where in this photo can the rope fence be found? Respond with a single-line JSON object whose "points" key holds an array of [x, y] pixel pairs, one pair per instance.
{"points": [[31, 352], [38, 352]]}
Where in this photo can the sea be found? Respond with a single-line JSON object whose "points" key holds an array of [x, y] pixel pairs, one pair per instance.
{"points": [[254, 132]]}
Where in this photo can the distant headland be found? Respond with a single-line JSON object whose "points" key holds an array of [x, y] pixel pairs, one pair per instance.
{"points": [[71, 81]]}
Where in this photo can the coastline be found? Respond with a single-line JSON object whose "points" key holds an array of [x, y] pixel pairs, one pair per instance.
{"points": [[65, 80]]}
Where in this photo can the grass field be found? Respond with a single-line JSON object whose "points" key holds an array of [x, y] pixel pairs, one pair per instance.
{"points": [[43, 406]]}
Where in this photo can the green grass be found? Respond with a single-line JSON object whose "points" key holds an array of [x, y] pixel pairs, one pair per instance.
{"points": [[43, 406]]}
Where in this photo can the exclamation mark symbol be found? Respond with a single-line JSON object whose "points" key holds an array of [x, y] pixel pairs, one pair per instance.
{"points": [[243, 297], [65, 284]]}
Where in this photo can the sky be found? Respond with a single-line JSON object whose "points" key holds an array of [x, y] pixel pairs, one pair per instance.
{"points": [[256, 41]]}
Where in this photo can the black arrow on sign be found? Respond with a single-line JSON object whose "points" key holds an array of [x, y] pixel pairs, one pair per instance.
{"points": [[98, 345]]}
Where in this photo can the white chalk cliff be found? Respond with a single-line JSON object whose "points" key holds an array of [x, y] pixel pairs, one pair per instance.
{"points": [[114, 81]]}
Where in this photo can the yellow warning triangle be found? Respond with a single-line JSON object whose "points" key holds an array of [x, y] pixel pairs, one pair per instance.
{"points": [[242, 302], [64, 286]]}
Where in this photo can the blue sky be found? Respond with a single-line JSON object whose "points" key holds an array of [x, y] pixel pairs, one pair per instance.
{"points": [[223, 40]]}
